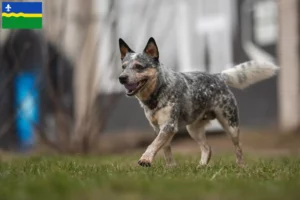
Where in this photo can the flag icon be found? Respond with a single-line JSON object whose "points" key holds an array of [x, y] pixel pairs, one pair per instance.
{"points": [[22, 15]]}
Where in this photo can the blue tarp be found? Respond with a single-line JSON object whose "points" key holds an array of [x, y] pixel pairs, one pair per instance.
{"points": [[27, 107]]}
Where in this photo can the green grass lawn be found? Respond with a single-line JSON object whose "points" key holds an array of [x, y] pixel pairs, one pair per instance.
{"points": [[118, 177]]}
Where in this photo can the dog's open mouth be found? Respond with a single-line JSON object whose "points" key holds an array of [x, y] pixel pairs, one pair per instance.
{"points": [[133, 88]]}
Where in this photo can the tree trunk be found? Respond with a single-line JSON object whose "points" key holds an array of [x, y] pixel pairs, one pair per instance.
{"points": [[289, 62]]}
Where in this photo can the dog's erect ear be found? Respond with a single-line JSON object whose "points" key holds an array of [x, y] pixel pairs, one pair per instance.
{"points": [[151, 49], [124, 48]]}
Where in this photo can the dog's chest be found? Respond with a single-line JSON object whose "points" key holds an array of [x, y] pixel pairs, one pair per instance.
{"points": [[160, 117]]}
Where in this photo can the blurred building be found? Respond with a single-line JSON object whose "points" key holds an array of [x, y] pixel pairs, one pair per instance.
{"points": [[205, 35]]}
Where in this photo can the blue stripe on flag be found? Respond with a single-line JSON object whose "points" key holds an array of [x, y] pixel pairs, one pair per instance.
{"points": [[25, 7]]}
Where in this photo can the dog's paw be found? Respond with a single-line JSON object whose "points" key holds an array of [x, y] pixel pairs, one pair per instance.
{"points": [[144, 163], [241, 165], [171, 165], [202, 166]]}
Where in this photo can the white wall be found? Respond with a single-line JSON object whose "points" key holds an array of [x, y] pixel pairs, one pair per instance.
{"points": [[180, 28]]}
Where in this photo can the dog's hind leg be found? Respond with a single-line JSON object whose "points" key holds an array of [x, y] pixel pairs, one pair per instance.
{"points": [[229, 121], [197, 132]]}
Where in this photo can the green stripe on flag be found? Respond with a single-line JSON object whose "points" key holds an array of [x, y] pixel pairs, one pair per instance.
{"points": [[22, 23]]}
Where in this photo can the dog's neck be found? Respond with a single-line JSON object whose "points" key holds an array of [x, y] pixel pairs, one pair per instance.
{"points": [[162, 81], [152, 101]]}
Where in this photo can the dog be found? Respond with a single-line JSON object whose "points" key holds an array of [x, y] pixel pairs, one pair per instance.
{"points": [[172, 100]]}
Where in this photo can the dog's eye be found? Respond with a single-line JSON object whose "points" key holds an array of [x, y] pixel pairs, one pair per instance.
{"points": [[140, 67], [123, 66]]}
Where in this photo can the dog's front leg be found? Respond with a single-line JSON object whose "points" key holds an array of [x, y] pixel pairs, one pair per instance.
{"points": [[170, 161], [162, 139], [169, 158]]}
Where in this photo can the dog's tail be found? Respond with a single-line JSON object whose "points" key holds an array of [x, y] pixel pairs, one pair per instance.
{"points": [[248, 73]]}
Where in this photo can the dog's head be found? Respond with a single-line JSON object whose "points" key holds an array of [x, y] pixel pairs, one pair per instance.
{"points": [[140, 70]]}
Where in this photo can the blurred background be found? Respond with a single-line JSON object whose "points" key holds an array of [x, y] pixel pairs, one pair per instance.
{"points": [[59, 86]]}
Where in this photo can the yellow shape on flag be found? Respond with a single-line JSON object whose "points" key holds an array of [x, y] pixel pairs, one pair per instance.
{"points": [[21, 15]]}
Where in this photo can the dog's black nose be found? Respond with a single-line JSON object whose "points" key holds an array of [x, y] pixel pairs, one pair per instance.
{"points": [[123, 79]]}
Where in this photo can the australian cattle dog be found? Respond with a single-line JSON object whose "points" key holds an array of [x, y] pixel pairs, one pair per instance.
{"points": [[174, 99]]}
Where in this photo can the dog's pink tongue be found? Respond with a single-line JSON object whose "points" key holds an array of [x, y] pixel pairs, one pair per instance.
{"points": [[131, 86]]}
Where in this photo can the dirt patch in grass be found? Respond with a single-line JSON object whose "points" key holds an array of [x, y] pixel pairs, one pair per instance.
{"points": [[259, 142]]}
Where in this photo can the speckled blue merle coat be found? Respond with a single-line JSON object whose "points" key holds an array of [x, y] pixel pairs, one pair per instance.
{"points": [[173, 99]]}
